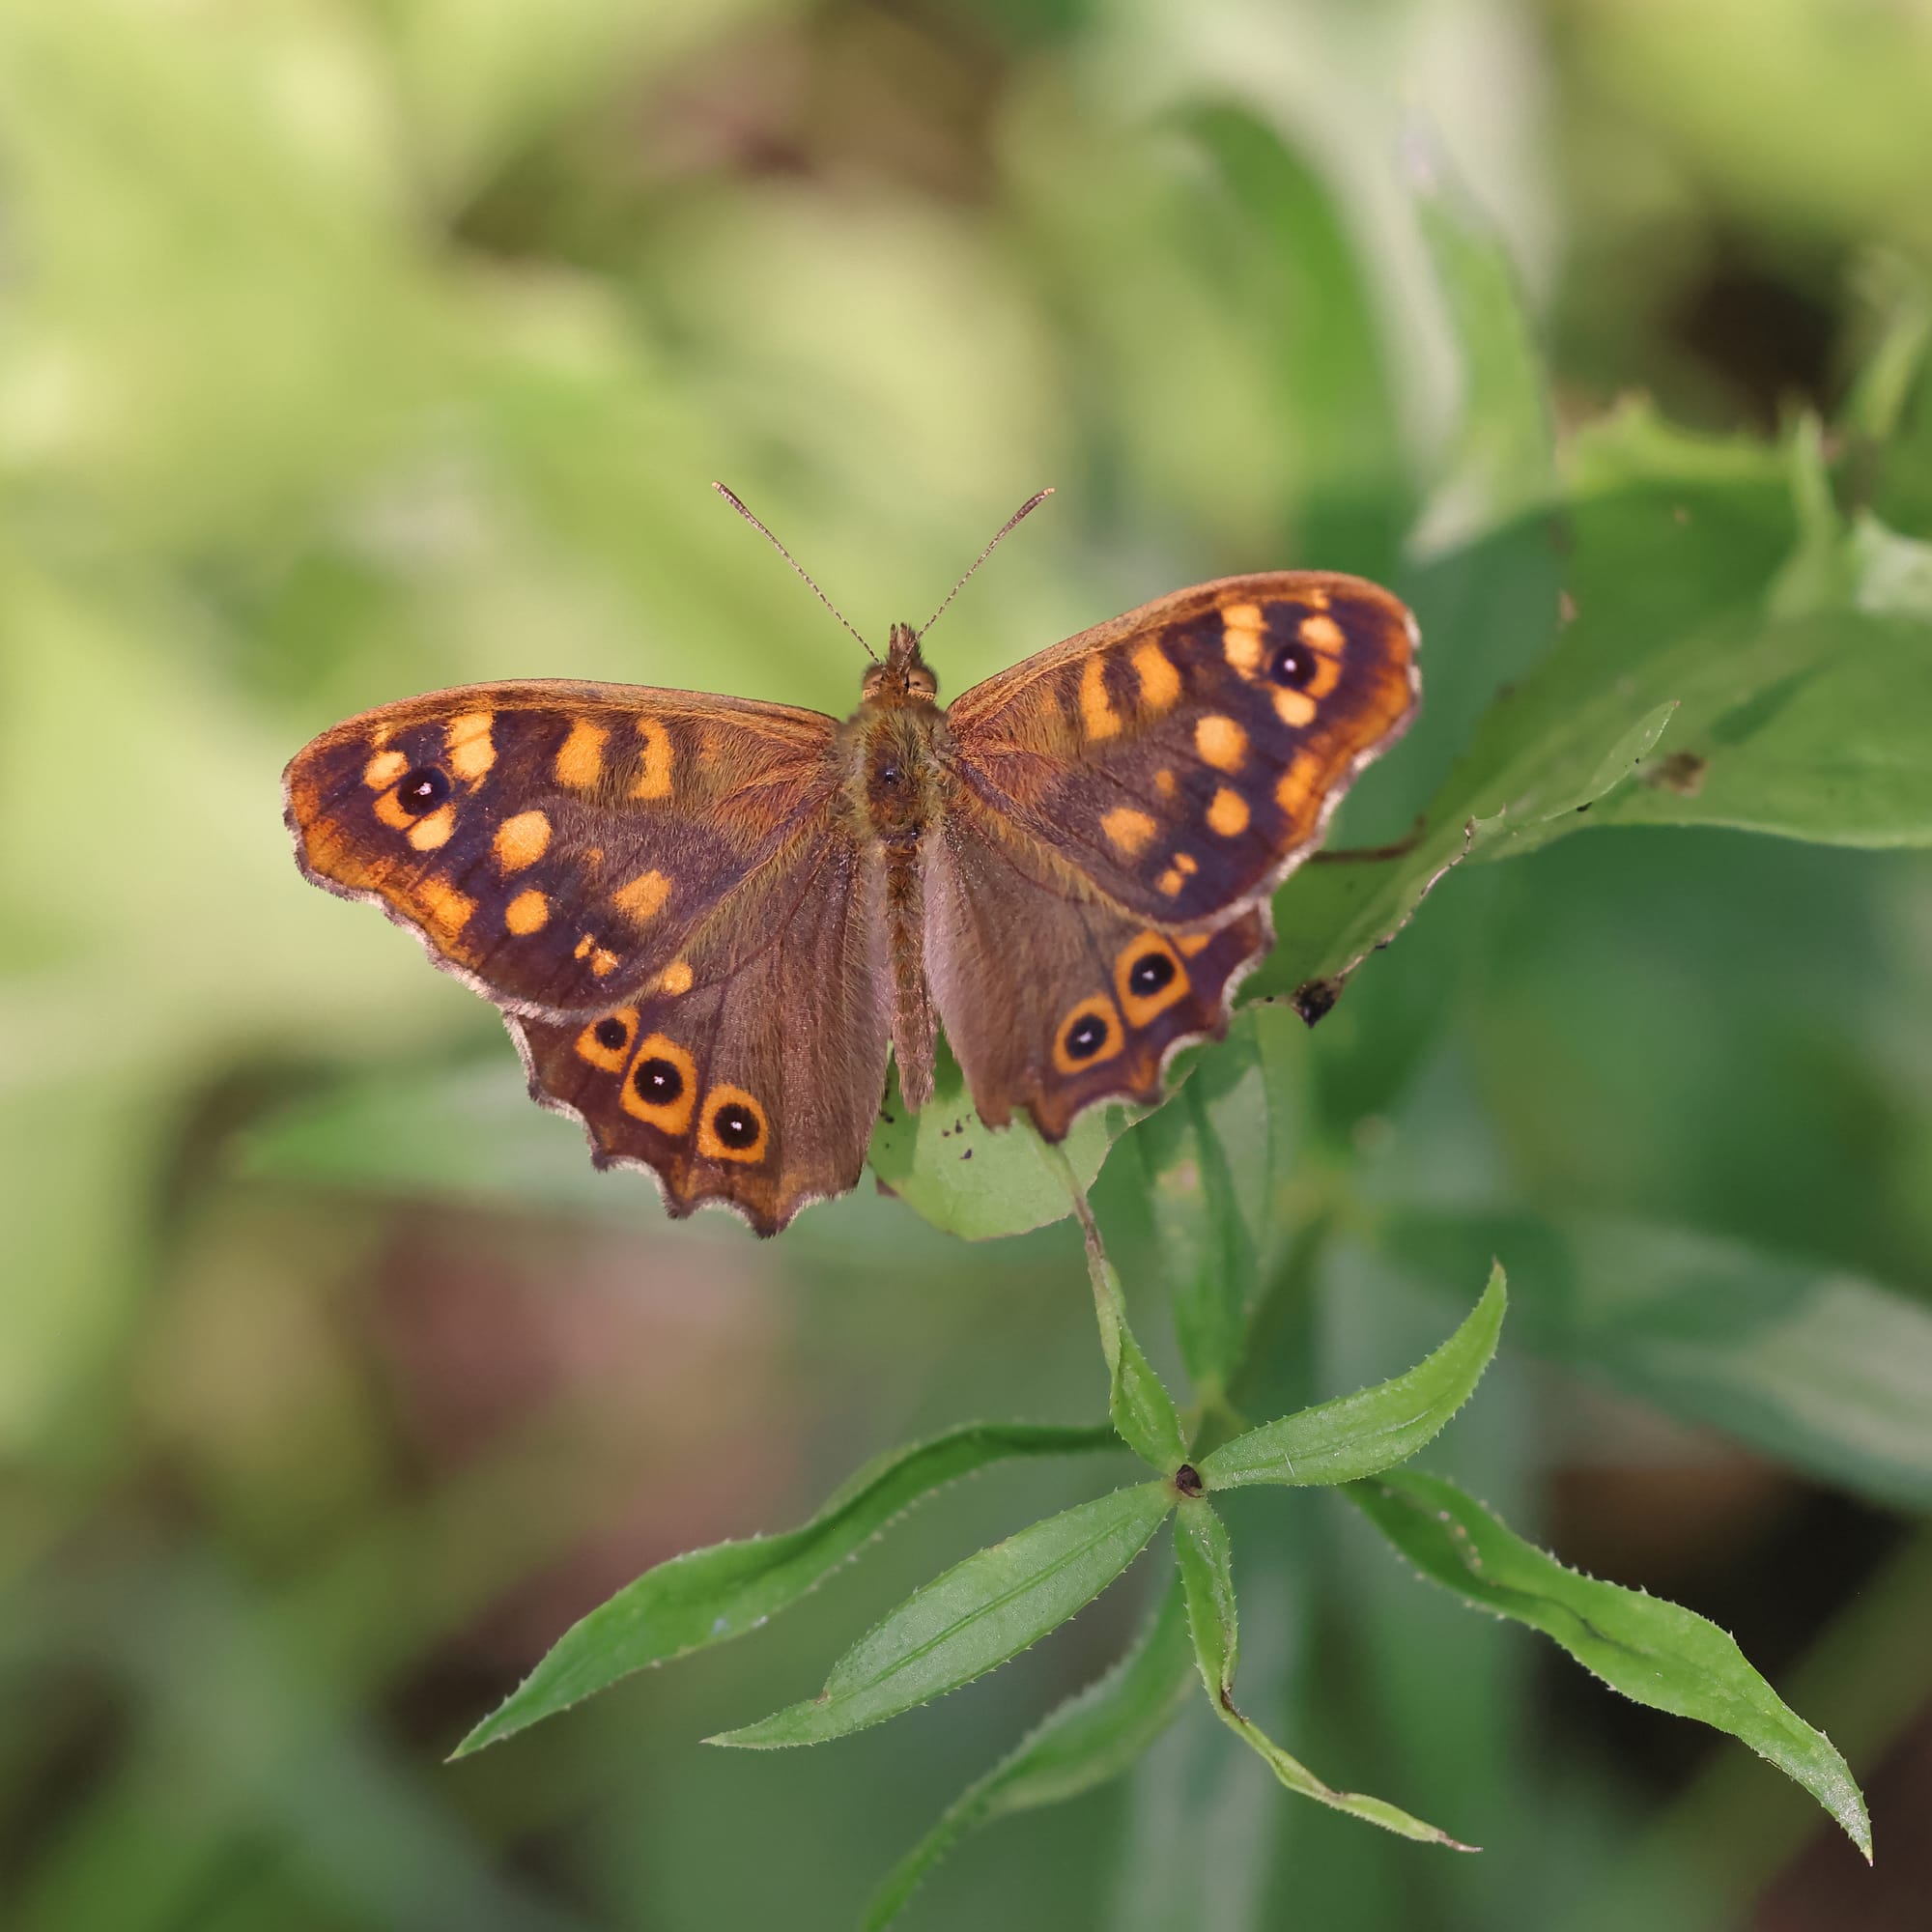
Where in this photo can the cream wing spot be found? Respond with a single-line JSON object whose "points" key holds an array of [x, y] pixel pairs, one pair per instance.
{"points": [[529, 912], [1323, 633], [522, 840], [1129, 832], [643, 897], [654, 777], [1221, 741], [676, 976], [467, 744], [1228, 813], [579, 760], [383, 770], [1160, 682], [1241, 636], [427, 833], [1097, 709]]}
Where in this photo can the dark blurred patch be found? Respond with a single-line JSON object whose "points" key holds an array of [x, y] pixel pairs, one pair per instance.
{"points": [[1766, 332]]}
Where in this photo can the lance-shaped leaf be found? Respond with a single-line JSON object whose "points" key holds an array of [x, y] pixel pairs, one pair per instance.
{"points": [[1143, 1411], [707, 1596], [1202, 1549], [1375, 1428], [1655, 1652], [1092, 1737], [980, 1612]]}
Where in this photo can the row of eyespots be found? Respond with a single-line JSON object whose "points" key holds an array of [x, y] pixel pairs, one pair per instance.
{"points": [[661, 1089], [1148, 977]]}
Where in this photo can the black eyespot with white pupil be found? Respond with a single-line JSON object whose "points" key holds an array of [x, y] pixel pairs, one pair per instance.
{"points": [[1086, 1036], [422, 790], [611, 1034], [657, 1082], [1150, 973], [1292, 664], [736, 1126]]}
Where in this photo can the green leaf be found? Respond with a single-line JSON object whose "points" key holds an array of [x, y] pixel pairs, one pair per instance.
{"points": [[977, 1615], [1142, 1409], [1358, 1434], [1828, 742], [708, 1595], [1206, 1560], [1092, 1737], [1805, 1362], [974, 1180], [1655, 1652]]}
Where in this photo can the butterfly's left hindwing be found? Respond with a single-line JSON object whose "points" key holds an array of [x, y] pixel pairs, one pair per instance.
{"points": [[757, 1082], [1182, 758]]}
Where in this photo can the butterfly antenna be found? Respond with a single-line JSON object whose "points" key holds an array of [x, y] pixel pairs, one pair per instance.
{"points": [[1026, 509], [732, 497]]}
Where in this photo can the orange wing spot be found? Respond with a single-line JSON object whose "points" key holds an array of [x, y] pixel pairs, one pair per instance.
{"points": [[1295, 708], [603, 963], [1171, 881], [1160, 682], [1297, 787], [529, 912], [1328, 675], [522, 840], [605, 1042], [1191, 943], [380, 737], [661, 1085], [389, 810], [643, 897], [1186, 862], [1148, 977], [1163, 782], [676, 976], [1317, 598], [1088, 1035], [735, 1127], [1097, 709], [383, 770], [443, 906], [1323, 633], [584, 945], [1127, 831], [1221, 741], [1228, 813], [579, 760], [1241, 636], [469, 746], [654, 780], [427, 833]]}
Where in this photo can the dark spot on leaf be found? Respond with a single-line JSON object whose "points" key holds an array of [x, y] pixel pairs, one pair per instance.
{"points": [[1682, 772], [1188, 1480], [1317, 999]]}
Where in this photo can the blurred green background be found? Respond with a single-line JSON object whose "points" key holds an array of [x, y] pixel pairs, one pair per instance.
{"points": [[349, 348]]}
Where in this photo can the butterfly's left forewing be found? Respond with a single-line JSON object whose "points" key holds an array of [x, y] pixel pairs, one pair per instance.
{"points": [[1181, 759]]}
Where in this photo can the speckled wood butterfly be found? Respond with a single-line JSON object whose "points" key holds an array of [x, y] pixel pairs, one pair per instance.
{"points": [[707, 921]]}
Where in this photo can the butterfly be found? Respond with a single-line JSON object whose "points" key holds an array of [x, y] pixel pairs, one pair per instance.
{"points": [[709, 922]]}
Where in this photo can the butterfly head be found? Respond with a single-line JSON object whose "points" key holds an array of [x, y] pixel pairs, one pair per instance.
{"points": [[905, 677]]}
